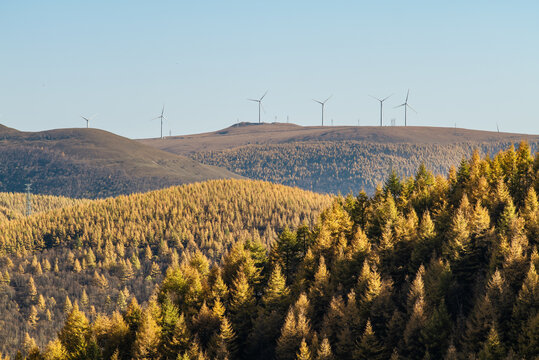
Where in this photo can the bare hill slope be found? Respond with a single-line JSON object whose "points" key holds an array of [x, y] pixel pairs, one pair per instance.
{"points": [[279, 133], [92, 163]]}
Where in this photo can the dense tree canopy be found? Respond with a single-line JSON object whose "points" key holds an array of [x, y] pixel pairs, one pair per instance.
{"points": [[445, 268], [101, 254], [341, 166]]}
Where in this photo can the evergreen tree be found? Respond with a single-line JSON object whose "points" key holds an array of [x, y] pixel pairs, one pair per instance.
{"points": [[276, 295], [175, 335], [412, 334], [286, 252], [225, 347], [241, 308], [319, 291], [68, 306], [55, 351], [492, 348], [33, 317], [288, 342], [324, 351], [435, 333], [75, 334], [32, 290], [368, 346], [147, 337], [304, 353]]}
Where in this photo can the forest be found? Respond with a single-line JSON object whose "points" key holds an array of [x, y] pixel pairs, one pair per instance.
{"points": [[428, 267], [342, 166], [103, 253]]}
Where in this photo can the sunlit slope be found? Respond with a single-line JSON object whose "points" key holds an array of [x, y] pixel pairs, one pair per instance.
{"points": [[103, 253], [13, 205], [204, 215]]}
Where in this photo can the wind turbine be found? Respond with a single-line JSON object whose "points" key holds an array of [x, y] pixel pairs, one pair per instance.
{"points": [[87, 119], [161, 117], [323, 103], [405, 104], [381, 105], [259, 101]]}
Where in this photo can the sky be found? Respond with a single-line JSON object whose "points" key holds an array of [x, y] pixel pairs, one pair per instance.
{"points": [[471, 64]]}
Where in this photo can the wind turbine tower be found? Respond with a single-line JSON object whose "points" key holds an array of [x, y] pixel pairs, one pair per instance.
{"points": [[161, 117], [381, 106], [323, 103], [259, 101], [87, 119], [406, 105]]}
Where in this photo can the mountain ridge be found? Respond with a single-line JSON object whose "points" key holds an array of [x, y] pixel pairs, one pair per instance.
{"points": [[252, 133], [335, 159]]}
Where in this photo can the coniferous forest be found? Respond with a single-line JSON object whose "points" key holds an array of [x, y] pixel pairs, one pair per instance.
{"points": [[341, 166], [429, 267]]}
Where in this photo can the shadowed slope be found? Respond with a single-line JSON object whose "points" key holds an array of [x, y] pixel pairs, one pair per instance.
{"points": [[92, 163], [335, 158]]}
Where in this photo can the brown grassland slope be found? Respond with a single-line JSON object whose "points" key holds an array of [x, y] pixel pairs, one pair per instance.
{"points": [[91, 163]]}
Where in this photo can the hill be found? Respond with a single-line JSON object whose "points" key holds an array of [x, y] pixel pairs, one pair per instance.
{"points": [[91, 163], [335, 159], [104, 253], [431, 267]]}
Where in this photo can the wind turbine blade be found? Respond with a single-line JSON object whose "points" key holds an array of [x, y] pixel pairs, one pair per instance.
{"points": [[387, 97], [318, 102], [85, 118], [398, 106], [411, 108], [375, 98], [328, 98], [253, 100], [408, 93], [262, 106], [263, 95]]}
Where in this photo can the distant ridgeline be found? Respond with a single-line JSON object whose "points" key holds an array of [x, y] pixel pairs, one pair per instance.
{"points": [[429, 267], [342, 166], [91, 163]]}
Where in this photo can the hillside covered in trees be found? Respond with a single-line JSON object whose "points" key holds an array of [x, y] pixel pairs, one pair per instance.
{"points": [[335, 159], [13, 205], [340, 166], [102, 254], [429, 267]]}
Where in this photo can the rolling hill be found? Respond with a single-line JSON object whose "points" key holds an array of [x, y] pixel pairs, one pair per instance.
{"points": [[335, 159], [91, 163], [104, 253]]}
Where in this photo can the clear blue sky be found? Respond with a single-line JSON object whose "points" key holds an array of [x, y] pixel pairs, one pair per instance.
{"points": [[473, 63]]}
